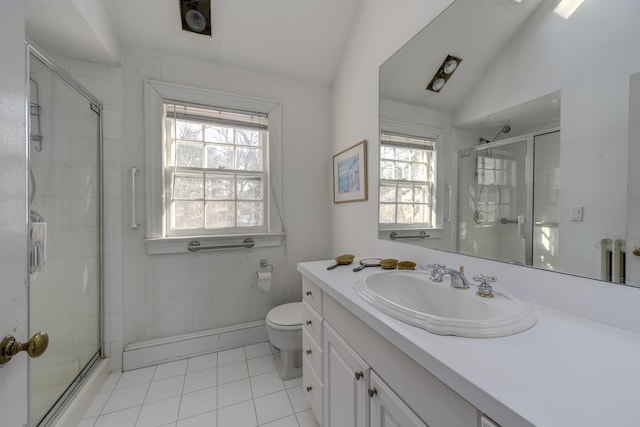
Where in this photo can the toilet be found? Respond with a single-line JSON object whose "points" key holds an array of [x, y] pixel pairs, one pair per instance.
{"points": [[284, 328]]}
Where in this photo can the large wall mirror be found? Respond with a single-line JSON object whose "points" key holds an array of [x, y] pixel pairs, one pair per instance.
{"points": [[510, 130]]}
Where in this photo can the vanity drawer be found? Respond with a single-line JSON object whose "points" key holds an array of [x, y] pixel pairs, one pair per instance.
{"points": [[312, 294], [311, 323], [313, 391], [312, 353]]}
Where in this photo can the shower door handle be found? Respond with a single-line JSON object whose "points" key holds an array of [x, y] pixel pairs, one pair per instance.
{"points": [[522, 232]]}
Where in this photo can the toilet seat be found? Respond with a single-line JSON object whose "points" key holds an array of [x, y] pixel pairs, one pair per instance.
{"points": [[286, 316]]}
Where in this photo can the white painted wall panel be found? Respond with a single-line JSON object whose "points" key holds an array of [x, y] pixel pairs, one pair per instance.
{"points": [[166, 295]]}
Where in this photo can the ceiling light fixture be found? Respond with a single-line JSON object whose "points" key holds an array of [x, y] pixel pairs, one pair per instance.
{"points": [[195, 16], [449, 65], [567, 7]]}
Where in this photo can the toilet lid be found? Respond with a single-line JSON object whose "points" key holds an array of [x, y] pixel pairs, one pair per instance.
{"points": [[286, 314]]}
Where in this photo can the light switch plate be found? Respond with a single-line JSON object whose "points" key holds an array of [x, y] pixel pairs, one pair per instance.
{"points": [[576, 213]]}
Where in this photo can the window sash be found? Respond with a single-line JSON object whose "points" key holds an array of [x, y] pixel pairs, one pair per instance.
{"points": [[399, 212], [235, 214], [216, 115], [400, 140]]}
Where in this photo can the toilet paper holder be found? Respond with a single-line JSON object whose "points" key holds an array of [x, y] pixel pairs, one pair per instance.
{"points": [[264, 264]]}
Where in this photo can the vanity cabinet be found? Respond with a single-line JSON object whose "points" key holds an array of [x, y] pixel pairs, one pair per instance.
{"points": [[387, 409], [347, 389], [354, 395], [312, 350], [346, 379]]}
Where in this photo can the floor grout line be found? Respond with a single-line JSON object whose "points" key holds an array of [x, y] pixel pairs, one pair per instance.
{"points": [[253, 399], [256, 353]]}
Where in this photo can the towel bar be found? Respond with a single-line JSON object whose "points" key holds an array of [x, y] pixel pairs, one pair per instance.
{"points": [[421, 235], [194, 245]]}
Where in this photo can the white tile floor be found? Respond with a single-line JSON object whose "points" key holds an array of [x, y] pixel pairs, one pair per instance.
{"points": [[232, 388]]}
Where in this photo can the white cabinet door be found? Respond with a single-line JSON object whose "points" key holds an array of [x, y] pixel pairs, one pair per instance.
{"points": [[346, 378], [387, 409]]}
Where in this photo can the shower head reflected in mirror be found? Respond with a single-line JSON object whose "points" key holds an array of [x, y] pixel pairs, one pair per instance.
{"points": [[505, 130]]}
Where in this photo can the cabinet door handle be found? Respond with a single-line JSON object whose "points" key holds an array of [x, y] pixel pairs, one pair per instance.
{"points": [[359, 375], [308, 293], [372, 392], [309, 388], [308, 322], [308, 351]]}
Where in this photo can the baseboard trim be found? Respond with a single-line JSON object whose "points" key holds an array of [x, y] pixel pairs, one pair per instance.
{"points": [[162, 350]]}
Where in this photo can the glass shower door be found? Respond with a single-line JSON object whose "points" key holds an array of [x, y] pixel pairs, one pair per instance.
{"points": [[493, 202], [546, 195], [65, 243]]}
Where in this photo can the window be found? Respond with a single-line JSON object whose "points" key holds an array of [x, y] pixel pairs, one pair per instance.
{"points": [[215, 170], [408, 181], [212, 168]]}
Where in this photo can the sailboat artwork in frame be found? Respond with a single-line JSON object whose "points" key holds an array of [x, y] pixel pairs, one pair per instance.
{"points": [[350, 174]]}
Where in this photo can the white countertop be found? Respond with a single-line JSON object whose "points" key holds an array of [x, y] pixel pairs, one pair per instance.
{"points": [[565, 371]]}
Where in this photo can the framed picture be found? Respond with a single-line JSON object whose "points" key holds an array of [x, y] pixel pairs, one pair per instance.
{"points": [[350, 174]]}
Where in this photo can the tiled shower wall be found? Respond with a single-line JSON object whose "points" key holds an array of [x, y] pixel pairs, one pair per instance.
{"points": [[63, 296]]}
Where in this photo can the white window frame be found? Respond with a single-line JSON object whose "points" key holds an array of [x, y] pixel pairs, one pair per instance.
{"points": [[420, 131], [156, 93]]}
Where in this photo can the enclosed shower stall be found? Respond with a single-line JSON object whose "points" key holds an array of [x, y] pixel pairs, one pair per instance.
{"points": [[508, 196], [65, 224]]}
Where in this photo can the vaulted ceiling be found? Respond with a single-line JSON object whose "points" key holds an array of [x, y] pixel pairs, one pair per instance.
{"points": [[288, 38]]}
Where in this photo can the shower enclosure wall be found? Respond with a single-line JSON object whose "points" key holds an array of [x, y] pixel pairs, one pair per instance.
{"points": [[65, 233], [508, 195]]}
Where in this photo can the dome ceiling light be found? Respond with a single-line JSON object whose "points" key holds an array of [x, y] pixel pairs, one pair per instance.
{"points": [[449, 65], [195, 16]]}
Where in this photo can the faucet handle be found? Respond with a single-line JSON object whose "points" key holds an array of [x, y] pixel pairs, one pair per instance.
{"points": [[436, 270], [484, 279], [484, 288]]}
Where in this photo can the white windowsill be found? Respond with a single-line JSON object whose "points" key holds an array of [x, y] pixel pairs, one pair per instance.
{"points": [[178, 245]]}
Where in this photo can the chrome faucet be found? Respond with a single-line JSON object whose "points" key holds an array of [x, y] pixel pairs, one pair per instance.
{"points": [[458, 279]]}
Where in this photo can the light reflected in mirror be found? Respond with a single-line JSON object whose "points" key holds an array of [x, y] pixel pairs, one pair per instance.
{"points": [[523, 155]]}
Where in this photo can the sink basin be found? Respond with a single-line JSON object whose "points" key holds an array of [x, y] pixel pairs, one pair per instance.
{"points": [[441, 309]]}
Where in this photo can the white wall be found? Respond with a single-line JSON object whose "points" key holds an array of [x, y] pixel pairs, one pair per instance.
{"points": [[97, 27], [165, 295], [381, 29]]}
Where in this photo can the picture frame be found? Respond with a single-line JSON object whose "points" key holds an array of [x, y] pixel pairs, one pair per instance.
{"points": [[350, 174]]}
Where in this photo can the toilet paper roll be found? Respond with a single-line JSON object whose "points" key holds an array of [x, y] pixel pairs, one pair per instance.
{"points": [[264, 281]]}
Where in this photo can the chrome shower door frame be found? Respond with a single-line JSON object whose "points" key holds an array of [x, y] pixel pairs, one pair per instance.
{"points": [[97, 107], [527, 230]]}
